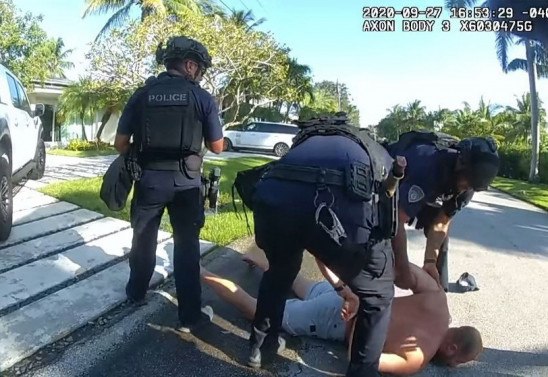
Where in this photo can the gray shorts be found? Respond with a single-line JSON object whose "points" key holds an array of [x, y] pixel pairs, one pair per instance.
{"points": [[318, 315]]}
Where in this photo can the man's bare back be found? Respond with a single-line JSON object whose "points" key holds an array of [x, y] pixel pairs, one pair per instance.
{"points": [[419, 330], [418, 325]]}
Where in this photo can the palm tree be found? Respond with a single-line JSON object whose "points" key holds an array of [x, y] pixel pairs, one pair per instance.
{"points": [[79, 100], [245, 19], [519, 118], [59, 61], [122, 8], [299, 84], [415, 116], [503, 41]]}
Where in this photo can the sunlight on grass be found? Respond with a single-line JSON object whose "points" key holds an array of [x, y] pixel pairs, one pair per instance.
{"points": [[536, 194], [90, 153], [222, 229]]}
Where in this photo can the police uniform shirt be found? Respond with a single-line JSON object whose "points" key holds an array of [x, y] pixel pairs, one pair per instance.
{"points": [[207, 111], [423, 176]]}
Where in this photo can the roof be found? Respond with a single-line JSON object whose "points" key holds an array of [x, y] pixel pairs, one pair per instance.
{"points": [[53, 83]]}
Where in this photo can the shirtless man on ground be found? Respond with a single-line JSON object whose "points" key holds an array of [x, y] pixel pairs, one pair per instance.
{"points": [[419, 329]]}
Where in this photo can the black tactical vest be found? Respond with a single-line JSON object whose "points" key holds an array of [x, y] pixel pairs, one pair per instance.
{"points": [[384, 208], [169, 129]]}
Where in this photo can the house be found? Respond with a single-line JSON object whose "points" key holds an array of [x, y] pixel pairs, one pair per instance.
{"points": [[48, 93]]}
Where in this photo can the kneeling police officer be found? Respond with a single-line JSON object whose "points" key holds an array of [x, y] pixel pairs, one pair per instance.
{"points": [[328, 195], [170, 118]]}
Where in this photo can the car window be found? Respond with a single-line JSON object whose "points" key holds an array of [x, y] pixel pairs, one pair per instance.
{"points": [[292, 130], [251, 127], [237, 127], [23, 100], [12, 85], [264, 127]]}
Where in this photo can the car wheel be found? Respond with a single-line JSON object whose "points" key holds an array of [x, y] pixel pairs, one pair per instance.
{"points": [[227, 144], [40, 161], [6, 199], [281, 149]]}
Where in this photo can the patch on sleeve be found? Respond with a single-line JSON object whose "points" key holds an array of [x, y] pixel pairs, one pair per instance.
{"points": [[415, 194]]}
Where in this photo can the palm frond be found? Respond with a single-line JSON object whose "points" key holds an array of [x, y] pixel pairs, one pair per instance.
{"points": [[517, 65], [115, 20], [104, 6], [502, 42]]}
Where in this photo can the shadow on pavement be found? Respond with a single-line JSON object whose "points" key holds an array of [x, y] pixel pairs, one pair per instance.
{"points": [[514, 359], [500, 224]]}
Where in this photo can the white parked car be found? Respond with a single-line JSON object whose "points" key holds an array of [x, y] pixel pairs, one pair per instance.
{"points": [[261, 136], [22, 150]]}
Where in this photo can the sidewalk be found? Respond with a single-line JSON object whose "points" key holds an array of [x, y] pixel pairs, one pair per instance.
{"points": [[63, 266]]}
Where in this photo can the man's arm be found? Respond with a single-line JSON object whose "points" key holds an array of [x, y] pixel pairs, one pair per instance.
{"points": [[412, 363], [434, 238], [404, 278], [126, 124], [351, 301], [213, 131]]}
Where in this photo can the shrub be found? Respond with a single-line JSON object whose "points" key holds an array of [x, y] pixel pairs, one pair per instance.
{"points": [[84, 145], [515, 161]]}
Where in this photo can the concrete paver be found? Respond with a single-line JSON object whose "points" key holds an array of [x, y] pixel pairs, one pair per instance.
{"points": [[33, 214], [29, 251], [28, 231], [63, 266]]}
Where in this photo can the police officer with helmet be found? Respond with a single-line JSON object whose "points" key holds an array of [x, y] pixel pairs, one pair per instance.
{"points": [[332, 194], [170, 118], [441, 179]]}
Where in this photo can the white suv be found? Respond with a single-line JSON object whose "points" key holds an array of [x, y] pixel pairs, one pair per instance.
{"points": [[261, 136], [22, 150]]}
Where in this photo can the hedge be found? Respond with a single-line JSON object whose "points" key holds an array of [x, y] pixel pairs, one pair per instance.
{"points": [[515, 162]]}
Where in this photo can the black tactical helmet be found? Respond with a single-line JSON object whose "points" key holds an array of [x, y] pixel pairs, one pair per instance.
{"points": [[480, 160], [183, 48]]}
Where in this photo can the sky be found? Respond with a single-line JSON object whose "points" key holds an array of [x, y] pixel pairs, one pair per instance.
{"points": [[381, 69]]}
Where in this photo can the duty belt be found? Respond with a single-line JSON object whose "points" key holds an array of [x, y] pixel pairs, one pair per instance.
{"points": [[307, 174]]}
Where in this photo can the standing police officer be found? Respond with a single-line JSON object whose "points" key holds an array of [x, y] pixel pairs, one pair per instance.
{"points": [[326, 196], [169, 118], [439, 182]]}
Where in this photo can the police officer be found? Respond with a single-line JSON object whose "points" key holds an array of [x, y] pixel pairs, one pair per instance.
{"points": [[169, 118], [439, 182], [322, 197]]}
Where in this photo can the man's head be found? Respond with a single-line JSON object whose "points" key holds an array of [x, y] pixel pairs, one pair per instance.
{"points": [[185, 55], [460, 345], [477, 165]]}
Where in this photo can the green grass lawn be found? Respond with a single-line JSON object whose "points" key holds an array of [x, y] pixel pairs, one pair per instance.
{"points": [[220, 229], [536, 194], [90, 153]]}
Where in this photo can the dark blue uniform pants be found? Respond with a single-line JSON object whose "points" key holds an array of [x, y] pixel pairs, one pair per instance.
{"points": [[186, 213], [284, 236]]}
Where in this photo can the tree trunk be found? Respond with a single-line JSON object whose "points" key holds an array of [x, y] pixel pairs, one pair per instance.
{"points": [[84, 137], [535, 131], [104, 120]]}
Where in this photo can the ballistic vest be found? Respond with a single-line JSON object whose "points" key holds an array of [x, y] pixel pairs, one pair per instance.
{"points": [[361, 181], [169, 130]]}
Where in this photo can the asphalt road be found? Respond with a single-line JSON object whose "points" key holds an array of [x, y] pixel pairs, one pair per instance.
{"points": [[501, 241]]}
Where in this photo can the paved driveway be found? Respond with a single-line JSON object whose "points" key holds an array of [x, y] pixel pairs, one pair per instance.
{"points": [[503, 242]]}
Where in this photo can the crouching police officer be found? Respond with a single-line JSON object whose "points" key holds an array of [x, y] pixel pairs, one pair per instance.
{"points": [[333, 195], [441, 178], [169, 118]]}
